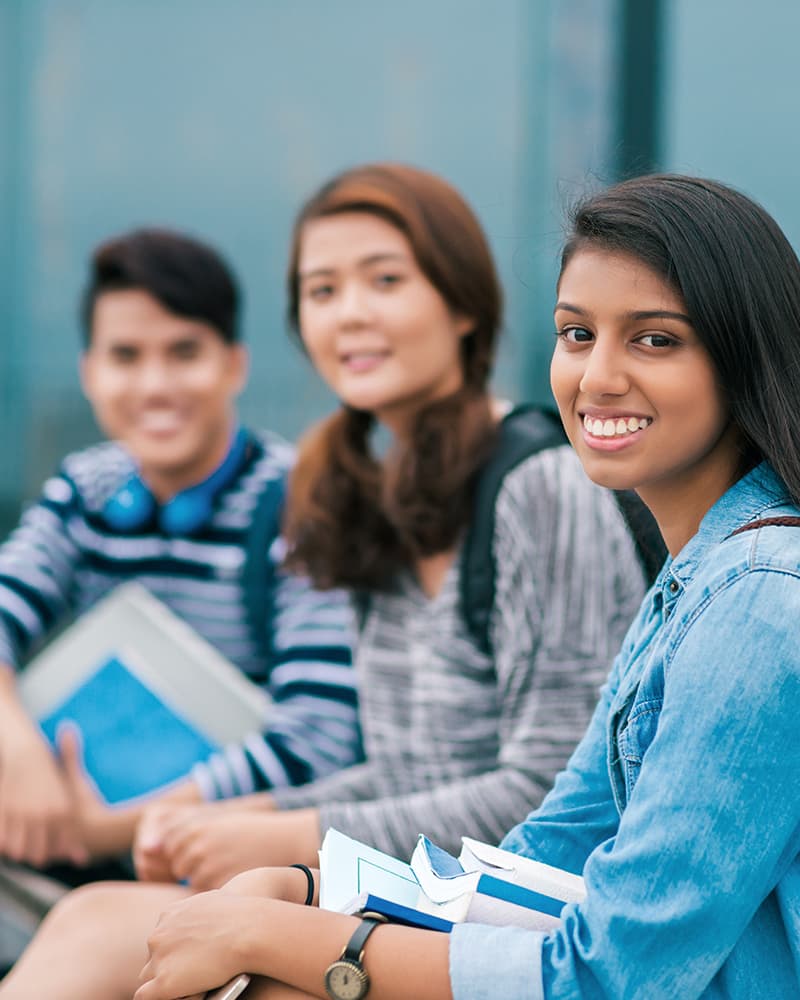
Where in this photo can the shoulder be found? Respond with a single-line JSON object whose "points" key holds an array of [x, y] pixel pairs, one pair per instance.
{"points": [[551, 517], [767, 556], [552, 485], [93, 474], [274, 455]]}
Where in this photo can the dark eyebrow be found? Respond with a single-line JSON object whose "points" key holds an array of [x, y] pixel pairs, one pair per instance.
{"points": [[637, 315], [374, 258], [660, 314]]}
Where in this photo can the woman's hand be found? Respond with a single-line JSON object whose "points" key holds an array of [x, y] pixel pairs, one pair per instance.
{"points": [[149, 855], [207, 850], [199, 944]]}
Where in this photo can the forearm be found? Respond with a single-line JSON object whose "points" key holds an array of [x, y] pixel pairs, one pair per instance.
{"points": [[295, 945], [484, 807], [111, 832]]}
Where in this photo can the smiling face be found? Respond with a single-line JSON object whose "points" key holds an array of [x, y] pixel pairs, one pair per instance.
{"points": [[637, 390], [162, 385], [374, 326]]}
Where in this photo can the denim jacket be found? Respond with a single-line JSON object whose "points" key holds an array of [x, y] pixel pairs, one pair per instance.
{"points": [[681, 805]]}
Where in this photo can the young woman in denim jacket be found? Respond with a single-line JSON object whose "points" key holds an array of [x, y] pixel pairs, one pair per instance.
{"points": [[676, 372]]}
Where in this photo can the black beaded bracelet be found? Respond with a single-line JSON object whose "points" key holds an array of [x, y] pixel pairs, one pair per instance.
{"points": [[310, 876]]}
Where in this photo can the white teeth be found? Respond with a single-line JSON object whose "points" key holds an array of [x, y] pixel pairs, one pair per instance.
{"points": [[618, 427], [162, 421]]}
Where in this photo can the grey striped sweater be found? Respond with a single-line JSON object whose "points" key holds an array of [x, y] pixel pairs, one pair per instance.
{"points": [[458, 744]]}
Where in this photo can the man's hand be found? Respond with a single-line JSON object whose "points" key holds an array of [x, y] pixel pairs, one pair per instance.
{"points": [[207, 847], [105, 831], [38, 824]]}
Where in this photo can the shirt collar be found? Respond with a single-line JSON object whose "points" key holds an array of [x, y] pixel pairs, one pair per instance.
{"points": [[748, 498]]}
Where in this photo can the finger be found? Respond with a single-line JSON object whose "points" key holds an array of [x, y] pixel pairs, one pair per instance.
{"points": [[37, 838], [69, 741], [204, 877], [15, 838], [151, 871]]}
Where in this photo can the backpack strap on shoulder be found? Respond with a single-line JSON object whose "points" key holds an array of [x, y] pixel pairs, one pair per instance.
{"points": [[525, 431], [786, 521], [647, 537], [258, 573]]}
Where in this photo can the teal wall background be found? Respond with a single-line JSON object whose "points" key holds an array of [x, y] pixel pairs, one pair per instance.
{"points": [[220, 118], [731, 98]]}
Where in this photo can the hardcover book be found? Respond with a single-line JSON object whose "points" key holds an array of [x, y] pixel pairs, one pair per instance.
{"points": [[150, 696], [484, 885]]}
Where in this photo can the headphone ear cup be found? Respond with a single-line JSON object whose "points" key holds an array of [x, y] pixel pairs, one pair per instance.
{"points": [[186, 512], [130, 507]]}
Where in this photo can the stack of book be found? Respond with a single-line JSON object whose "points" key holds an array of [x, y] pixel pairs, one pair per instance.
{"points": [[436, 890]]}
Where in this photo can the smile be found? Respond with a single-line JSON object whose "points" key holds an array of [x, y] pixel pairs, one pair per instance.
{"points": [[364, 360], [161, 422], [614, 427]]}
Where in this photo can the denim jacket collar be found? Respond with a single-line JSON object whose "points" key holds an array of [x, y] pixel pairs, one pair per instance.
{"points": [[758, 491]]}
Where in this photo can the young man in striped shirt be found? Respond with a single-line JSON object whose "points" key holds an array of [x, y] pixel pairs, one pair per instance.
{"points": [[169, 501]]}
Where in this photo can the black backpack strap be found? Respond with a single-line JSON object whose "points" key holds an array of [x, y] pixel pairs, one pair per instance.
{"points": [[526, 431], [522, 433], [258, 573], [650, 546]]}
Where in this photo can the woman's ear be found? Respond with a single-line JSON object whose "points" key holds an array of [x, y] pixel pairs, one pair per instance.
{"points": [[464, 325]]}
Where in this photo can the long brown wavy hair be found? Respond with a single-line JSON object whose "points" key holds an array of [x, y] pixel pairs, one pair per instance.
{"points": [[353, 519]]}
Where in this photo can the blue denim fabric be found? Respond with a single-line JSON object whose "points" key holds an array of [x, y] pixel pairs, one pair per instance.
{"points": [[681, 805]]}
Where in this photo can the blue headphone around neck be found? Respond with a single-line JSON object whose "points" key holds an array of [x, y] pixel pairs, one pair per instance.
{"points": [[133, 505]]}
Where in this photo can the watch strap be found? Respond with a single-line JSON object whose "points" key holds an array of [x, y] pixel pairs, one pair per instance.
{"points": [[354, 947]]}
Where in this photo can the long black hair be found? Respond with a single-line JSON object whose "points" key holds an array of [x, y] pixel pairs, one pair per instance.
{"points": [[740, 281]]}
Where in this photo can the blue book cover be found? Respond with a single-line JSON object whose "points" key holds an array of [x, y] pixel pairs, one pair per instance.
{"points": [[499, 888], [400, 914], [133, 743]]}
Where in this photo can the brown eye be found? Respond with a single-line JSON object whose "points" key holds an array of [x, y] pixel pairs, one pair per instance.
{"points": [[123, 354], [659, 340], [575, 335]]}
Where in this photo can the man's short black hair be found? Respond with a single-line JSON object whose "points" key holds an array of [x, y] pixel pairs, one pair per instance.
{"points": [[186, 276]]}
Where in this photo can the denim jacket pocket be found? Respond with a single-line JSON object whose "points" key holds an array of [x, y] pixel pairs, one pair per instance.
{"points": [[635, 738]]}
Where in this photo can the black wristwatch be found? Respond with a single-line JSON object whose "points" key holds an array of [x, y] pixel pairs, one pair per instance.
{"points": [[346, 978]]}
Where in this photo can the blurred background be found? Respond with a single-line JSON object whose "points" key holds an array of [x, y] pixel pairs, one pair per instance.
{"points": [[220, 117]]}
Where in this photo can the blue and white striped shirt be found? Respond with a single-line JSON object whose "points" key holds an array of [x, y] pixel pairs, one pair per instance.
{"points": [[64, 556]]}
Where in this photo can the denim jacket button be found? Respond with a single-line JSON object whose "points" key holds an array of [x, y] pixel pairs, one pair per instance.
{"points": [[673, 586]]}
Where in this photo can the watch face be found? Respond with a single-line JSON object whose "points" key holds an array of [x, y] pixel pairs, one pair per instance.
{"points": [[345, 980]]}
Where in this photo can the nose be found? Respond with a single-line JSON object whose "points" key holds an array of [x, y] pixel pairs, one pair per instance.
{"points": [[154, 378], [605, 371], [355, 307]]}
